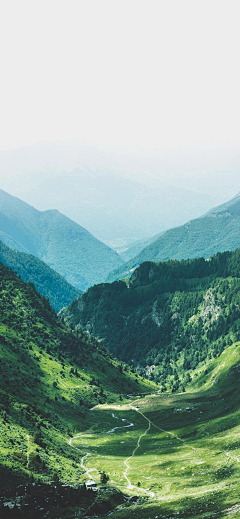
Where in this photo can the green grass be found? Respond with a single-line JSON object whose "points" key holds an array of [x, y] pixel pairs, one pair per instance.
{"points": [[172, 462], [190, 460], [49, 379]]}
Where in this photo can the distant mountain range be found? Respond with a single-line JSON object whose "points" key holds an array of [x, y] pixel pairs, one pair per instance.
{"points": [[46, 281], [61, 243], [120, 195], [216, 231]]}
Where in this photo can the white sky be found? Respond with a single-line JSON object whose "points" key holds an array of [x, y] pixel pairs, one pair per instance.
{"points": [[128, 72]]}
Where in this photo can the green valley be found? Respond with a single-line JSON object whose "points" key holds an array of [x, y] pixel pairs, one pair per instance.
{"points": [[72, 416], [181, 457]]}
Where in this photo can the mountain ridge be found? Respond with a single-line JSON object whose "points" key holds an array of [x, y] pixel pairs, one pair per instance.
{"points": [[46, 281], [58, 241], [216, 231]]}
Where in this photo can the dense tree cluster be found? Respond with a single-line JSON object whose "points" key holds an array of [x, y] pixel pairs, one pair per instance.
{"points": [[171, 315]]}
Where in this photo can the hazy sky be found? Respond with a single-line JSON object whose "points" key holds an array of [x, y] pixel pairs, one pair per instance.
{"points": [[128, 72]]}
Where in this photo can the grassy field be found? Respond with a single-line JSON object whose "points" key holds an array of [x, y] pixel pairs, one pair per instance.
{"points": [[181, 456]]}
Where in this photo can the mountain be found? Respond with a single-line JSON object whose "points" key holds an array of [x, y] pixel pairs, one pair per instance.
{"points": [[70, 413], [46, 281], [168, 317], [64, 245], [217, 231], [121, 195], [50, 378]]}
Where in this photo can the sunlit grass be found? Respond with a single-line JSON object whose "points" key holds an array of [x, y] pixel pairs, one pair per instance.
{"points": [[189, 459]]}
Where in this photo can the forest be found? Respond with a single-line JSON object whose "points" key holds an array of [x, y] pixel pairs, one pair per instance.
{"points": [[168, 318]]}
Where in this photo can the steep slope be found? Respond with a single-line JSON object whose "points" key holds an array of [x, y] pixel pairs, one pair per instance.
{"points": [[216, 231], [50, 377], [169, 317], [46, 281], [61, 243]]}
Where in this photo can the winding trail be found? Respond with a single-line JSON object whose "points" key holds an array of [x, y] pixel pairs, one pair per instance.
{"points": [[127, 484], [89, 453], [130, 486], [84, 467]]}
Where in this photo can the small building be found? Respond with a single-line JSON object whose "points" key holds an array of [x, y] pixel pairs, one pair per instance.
{"points": [[91, 484]]}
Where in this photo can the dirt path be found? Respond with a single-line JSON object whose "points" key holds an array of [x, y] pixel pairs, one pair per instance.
{"points": [[130, 486], [89, 453], [159, 428], [69, 388]]}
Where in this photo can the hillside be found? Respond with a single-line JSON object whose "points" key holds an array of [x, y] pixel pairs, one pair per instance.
{"points": [[217, 231], [168, 317], [64, 245], [65, 418], [50, 378], [46, 281]]}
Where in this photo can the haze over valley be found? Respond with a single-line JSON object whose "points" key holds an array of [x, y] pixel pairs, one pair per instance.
{"points": [[121, 195]]}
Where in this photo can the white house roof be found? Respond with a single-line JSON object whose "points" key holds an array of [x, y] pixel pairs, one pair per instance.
{"points": [[90, 483]]}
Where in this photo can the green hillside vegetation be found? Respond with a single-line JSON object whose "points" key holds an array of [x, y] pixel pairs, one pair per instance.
{"points": [[50, 378], [217, 231], [46, 281], [64, 245], [168, 318], [70, 412], [10, 242], [181, 456]]}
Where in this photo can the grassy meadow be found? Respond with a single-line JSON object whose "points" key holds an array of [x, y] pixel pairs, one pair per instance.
{"points": [[181, 458]]}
